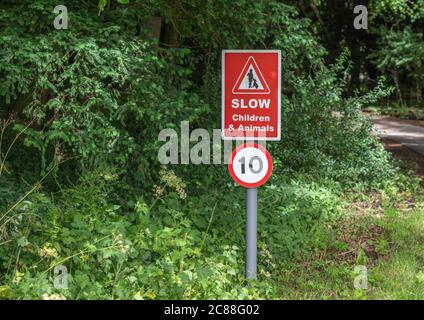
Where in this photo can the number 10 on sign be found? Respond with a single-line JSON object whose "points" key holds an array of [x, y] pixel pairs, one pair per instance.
{"points": [[250, 165]]}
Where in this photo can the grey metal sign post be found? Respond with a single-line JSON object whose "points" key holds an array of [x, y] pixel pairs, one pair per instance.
{"points": [[251, 167], [251, 232]]}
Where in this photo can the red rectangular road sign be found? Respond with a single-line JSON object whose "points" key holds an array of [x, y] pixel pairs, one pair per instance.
{"points": [[251, 95]]}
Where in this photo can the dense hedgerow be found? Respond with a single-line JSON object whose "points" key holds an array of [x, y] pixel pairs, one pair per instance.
{"points": [[101, 94]]}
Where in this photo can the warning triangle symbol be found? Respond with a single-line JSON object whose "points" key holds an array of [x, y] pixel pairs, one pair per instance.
{"points": [[251, 80]]}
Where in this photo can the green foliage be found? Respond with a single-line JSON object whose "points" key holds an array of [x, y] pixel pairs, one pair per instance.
{"points": [[397, 26], [398, 110], [97, 93], [403, 50], [327, 133], [295, 214], [101, 94], [82, 186], [398, 9], [168, 248], [401, 54], [155, 251]]}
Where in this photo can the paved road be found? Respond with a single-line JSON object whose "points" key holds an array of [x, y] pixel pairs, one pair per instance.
{"points": [[410, 136]]}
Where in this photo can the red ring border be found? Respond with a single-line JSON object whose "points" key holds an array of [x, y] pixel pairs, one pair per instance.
{"points": [[264, 179]]}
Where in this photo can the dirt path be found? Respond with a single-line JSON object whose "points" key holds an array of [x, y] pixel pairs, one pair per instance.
{"points": [[405, 140], [408, 134]]}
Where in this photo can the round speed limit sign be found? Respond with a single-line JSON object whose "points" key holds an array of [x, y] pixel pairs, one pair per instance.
{"points": [[250, 165]]}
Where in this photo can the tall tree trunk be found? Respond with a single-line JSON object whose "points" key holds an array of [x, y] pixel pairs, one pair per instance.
{"points": [[398, 91], [418, 91]]}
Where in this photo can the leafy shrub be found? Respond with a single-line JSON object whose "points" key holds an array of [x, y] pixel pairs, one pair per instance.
{"points": [[152, 252], [168, 247], [99, 93], [294, 214], [326, 134], [94, 91]]}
